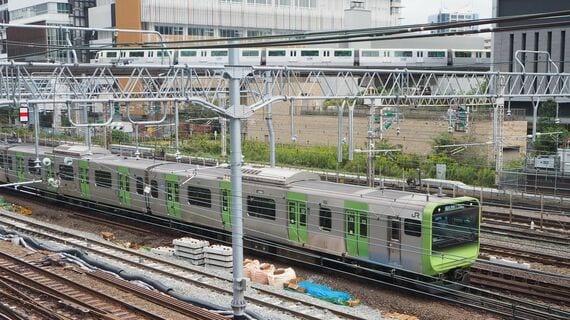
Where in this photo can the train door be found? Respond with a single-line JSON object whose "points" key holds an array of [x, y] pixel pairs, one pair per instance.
{"points": [[226, 204], [297, 213], [394, 240], [84, 179], [293, 56], [20, 167], [124, 186], [356, 229], [172, 195], [326, 56]]}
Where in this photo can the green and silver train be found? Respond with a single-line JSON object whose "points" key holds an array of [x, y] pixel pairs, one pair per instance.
{"points": [[429, 235]]}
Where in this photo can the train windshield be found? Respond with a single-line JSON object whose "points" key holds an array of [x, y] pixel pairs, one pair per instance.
{"points": [[455, 224]]}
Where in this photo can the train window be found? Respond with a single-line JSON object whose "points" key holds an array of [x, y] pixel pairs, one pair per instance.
{"points": [[363, 225], [250, 53], [66, 172], [343, 53], [1, 160], [154, 188], [403, 54], [150, 54], [201, 197], [140, 185], [395, 230], [136, 54], [436, 54], [488, 55], [188, 53], [325, 219], [103, 179], [32, 166], [111, 54], [219, 53], [412, 227], [370, 53], [462, 54], [276, 53], [261, 207], [309, 53], [162, 53]]}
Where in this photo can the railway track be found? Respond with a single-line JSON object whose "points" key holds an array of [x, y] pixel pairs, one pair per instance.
{"points": [[507, 306], [286, 303], [523, 233], [525, 254], [525, 283], [551, 224], [50, 291]]}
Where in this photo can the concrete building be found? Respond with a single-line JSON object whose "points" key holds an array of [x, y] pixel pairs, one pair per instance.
{"points": [[445, 16], [179, 19], [552, 42], [26, 44], [555, 41], [4, 18]]}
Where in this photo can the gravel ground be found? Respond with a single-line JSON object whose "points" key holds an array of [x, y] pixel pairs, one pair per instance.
{"points": [[386, 300]]}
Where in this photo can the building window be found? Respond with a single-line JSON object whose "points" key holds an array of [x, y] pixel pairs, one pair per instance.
{"points": [[63, 8], [103, 179], [262, 2], [200, 197], [306, 3], [229, 33], [325, 219], [258, 33], [201, 32], [169, 30], [261, 207]]}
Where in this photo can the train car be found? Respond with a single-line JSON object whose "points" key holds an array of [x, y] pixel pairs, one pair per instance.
{"points": [[309, 57], [428, 58], [425, 234], [142, 56], [470, 58]]}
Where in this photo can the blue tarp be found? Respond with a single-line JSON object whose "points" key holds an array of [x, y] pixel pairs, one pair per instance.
{"points": [[325, 293]]}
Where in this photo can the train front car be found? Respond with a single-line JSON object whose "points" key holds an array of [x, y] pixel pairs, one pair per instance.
{"points": [[451, 242]]}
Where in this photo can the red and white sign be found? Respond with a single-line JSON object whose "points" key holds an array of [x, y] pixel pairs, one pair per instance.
{"points": [[24, 114]]}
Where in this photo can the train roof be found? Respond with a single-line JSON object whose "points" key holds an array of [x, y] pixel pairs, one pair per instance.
{"points": [[371, 195]]}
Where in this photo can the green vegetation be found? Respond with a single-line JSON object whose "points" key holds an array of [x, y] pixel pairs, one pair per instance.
{"points": [[549, 139], [467, 168]]}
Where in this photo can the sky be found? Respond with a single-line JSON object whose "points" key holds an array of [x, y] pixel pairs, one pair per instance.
{"points": [[417, 11]]}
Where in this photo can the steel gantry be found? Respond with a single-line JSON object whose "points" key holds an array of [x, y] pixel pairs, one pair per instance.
{"points": [[248, 89]]}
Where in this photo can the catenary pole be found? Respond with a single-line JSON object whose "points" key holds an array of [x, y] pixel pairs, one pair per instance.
{"points": [[238, 301]]}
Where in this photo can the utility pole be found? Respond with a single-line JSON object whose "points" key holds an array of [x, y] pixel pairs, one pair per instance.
{"points": [[239, 282]]}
